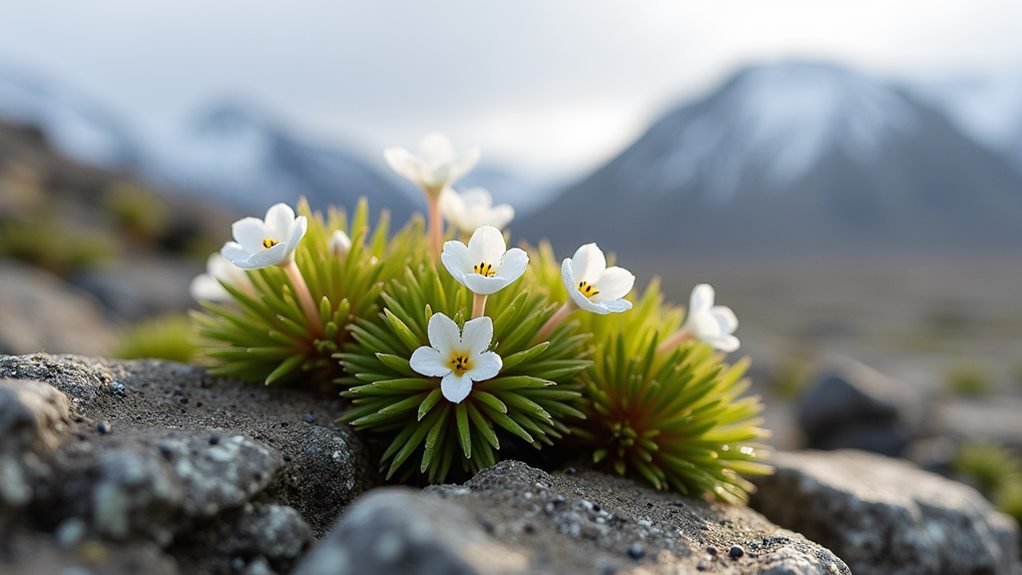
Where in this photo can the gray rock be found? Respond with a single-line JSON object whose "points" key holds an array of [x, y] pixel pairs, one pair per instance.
{"points": [[38, 311], [516, 519], [850, 405], [141, 287], [885, 516]]}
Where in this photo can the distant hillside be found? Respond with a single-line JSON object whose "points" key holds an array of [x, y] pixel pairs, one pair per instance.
{"points": [[790, 158]]}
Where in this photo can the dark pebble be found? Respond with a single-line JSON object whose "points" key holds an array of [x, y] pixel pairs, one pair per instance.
{"points": [[284, 424], [184, 401], [103, 427], [702, 566], [712, 551], [722, 522], [596, 507], [82, 437], [677, 503], [570, 471], [635, 551], [118, 389], [736, 551], [166, 451], [215, 439], [529, 528], [309, 418]]}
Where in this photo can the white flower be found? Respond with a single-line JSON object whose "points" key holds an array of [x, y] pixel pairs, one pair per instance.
{"points": [[592, 285], [206, 287], [710, 323], [436, 166], [268, 242], [458, 357], [485, 265], [340, 243], [473, 208]]}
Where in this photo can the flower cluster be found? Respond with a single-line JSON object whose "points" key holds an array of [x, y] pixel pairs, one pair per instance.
{"points": [[453, 350]]}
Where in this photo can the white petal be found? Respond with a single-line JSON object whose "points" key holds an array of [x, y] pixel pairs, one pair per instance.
{"points": [[477, 198], [501, 216], [455, 387], [404, 163], [452, 206], [588, 263], [205, 287], [486, 245], [726, 318], [443, 333], [476, 336], [703, 325], [725, 343], [249, 233], [278, 221], [464, 165], [274, 256], [483, 285], [436, 149], [617, 306], [296, 233], [485, 366], [340, 243], [234, 253], [429, 362], [614, 283], [455, 259], [702, 298], [513, 264]]}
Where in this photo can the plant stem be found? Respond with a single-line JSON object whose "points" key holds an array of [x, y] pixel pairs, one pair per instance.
{"points": [[478, 305], [436, 224], [674, 339], [555, 320], [304, 296]]}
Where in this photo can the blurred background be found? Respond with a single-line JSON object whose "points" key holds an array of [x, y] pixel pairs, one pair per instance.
{"points": [[849, 176]]}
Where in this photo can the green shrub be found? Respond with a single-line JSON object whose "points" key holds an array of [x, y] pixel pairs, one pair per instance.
{"points": [[968, 380], [52, 246], [136, 211]]}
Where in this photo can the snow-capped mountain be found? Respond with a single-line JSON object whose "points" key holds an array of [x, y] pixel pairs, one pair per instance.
{"points": [[987, 107], [75, 124], [242, 155], [793, 156]]}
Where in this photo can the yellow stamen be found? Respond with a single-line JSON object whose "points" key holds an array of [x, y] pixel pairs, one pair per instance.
{"points": [[269, 243], [484, 269], [587, 289], [460, 363]]}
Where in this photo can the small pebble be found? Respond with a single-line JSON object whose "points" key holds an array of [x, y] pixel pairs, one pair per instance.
{"points": [[118, 389], [635, 551], [570, 471], [103, 427], [184, 401], [712, 551], [166, 451], [702, 566], [214, 439], [736, 551], [309, 418]]}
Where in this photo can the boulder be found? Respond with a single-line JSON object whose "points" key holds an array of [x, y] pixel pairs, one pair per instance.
{"points": [[39, 311], [141, 287], [850, 405], [197, 472], [516, 519], [886, 516]]}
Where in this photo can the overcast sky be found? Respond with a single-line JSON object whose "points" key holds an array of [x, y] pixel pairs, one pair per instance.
{"points": [[547, 85]]}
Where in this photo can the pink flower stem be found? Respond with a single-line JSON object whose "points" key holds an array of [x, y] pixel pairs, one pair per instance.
{"points": [[304, 296], [555, 320], [674, 340], [478, 305], [436, 224]]}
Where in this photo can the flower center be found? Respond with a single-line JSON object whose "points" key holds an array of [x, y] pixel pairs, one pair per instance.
{"points": [[460, 363], [484, 269], [269, 243], [587, 289]]}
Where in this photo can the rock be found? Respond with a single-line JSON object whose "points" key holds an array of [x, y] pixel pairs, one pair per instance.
{"points": [[989, 420], [257, 537], [38, 311], [227, 477], [515, 519], [849, 405], [885, 516]]}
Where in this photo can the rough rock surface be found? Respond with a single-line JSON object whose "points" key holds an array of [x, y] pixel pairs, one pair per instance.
{"points": [[885, 516], [113, 457], [850, 405], [38, 311], [516, 519]]}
